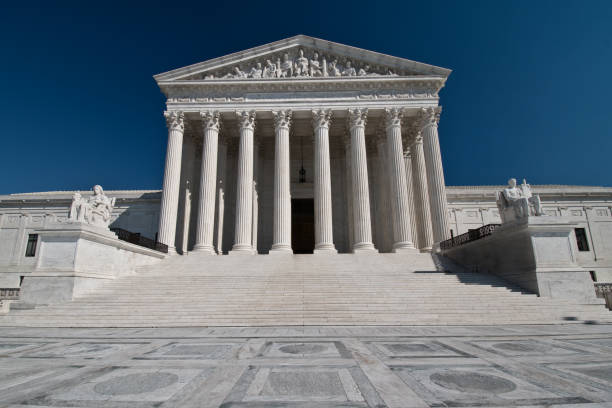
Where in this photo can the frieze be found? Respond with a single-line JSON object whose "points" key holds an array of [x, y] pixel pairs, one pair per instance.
{"points": [[396, 88], [299, 63], [364, 96]]}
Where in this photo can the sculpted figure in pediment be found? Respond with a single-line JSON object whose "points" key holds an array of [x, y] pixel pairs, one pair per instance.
{"points": [[315, 66], [333, 69], [269, 70], [286, 67], [363, 71], [256, 71], [237, 74], [301, 64], [349, 70]]}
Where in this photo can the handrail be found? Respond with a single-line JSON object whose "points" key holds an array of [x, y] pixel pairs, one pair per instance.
{"points": [[9, 294], [136, 238], [603, 290], [471, 235]]}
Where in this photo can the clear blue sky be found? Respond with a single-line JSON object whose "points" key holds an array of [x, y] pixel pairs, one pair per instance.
{"points": [[528, 97]]}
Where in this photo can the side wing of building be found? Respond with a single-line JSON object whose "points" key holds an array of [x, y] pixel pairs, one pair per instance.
{"points": [[469, 207]]}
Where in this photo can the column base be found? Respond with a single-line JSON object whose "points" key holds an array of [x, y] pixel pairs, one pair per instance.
{"points": [[403, 247], [281, 249], [241, 249], [365, 247], [172, 250], [425, 250], [205, 250], [327, 250]]}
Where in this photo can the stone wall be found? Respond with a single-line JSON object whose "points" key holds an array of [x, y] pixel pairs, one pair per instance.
{"points": [[469, 207], [22, 214], [590, 208]]}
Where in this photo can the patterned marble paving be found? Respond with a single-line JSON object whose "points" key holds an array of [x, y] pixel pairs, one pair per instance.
{"points": [[85, 349], [192, 350], [568, 365]]}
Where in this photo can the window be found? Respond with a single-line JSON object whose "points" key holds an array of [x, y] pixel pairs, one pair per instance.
{"points": [[31, 247], [581, 239]]}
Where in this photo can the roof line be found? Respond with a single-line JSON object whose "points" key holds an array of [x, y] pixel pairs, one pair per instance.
{"points": [[285, 43]]}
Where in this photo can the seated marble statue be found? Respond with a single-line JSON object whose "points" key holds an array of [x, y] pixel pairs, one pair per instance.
{"points": [[95, 210], [515, 202]]}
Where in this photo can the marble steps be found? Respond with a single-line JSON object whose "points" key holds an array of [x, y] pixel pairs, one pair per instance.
{"points": [[379, 289], [225, 321]]}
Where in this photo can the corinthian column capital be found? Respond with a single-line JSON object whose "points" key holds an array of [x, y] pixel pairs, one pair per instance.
{"points": [[357, 117], [282, 119], [393, 117], [321, 118], [175, 120], [210, 120], [429, 117], [246, 119]]}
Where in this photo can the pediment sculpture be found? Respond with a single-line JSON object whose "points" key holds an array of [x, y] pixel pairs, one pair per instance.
{"points": [[295, 64], [95, 210], [516, 203]]}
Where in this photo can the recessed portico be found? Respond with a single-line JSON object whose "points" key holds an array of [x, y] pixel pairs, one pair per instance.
{"points": [[362, 144]]}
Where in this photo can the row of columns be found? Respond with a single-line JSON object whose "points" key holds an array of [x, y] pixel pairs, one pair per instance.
{"points": [[416, 182]]}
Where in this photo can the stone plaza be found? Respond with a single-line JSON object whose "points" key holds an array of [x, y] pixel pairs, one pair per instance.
{"points": [[546, 366]]}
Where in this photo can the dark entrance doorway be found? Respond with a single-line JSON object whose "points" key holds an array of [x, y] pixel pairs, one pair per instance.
{"points": [[302, 226]]}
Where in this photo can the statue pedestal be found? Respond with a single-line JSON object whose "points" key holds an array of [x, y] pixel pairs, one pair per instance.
{"points": [[536, 253], [74, 258]]}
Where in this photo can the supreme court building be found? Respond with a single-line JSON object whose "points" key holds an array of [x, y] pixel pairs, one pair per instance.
{"points": [[303, 145]]}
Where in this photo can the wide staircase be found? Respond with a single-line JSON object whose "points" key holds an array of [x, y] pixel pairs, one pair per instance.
{"points": [[269, 290]]}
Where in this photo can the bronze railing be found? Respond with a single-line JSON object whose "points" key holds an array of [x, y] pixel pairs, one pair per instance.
{"points": [[471, 235], [604, 291], [9, 293], [136, 238]]}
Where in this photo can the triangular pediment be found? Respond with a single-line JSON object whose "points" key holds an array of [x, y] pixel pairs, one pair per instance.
{"points": [[301, 57]]}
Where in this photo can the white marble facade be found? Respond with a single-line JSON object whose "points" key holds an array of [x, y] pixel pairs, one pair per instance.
{"points": [[469, 207], [302, 145]]}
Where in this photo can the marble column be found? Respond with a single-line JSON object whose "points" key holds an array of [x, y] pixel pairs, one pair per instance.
{"points": [[383, 207], [409, 188], [429, 118], [255, 230], [324, 233], [244, 188], [221, 164], [362, 226], [402, 235], [348, 182], [186, 218], [172, 176], [421, 195], [208, 184], [281, 242]]}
